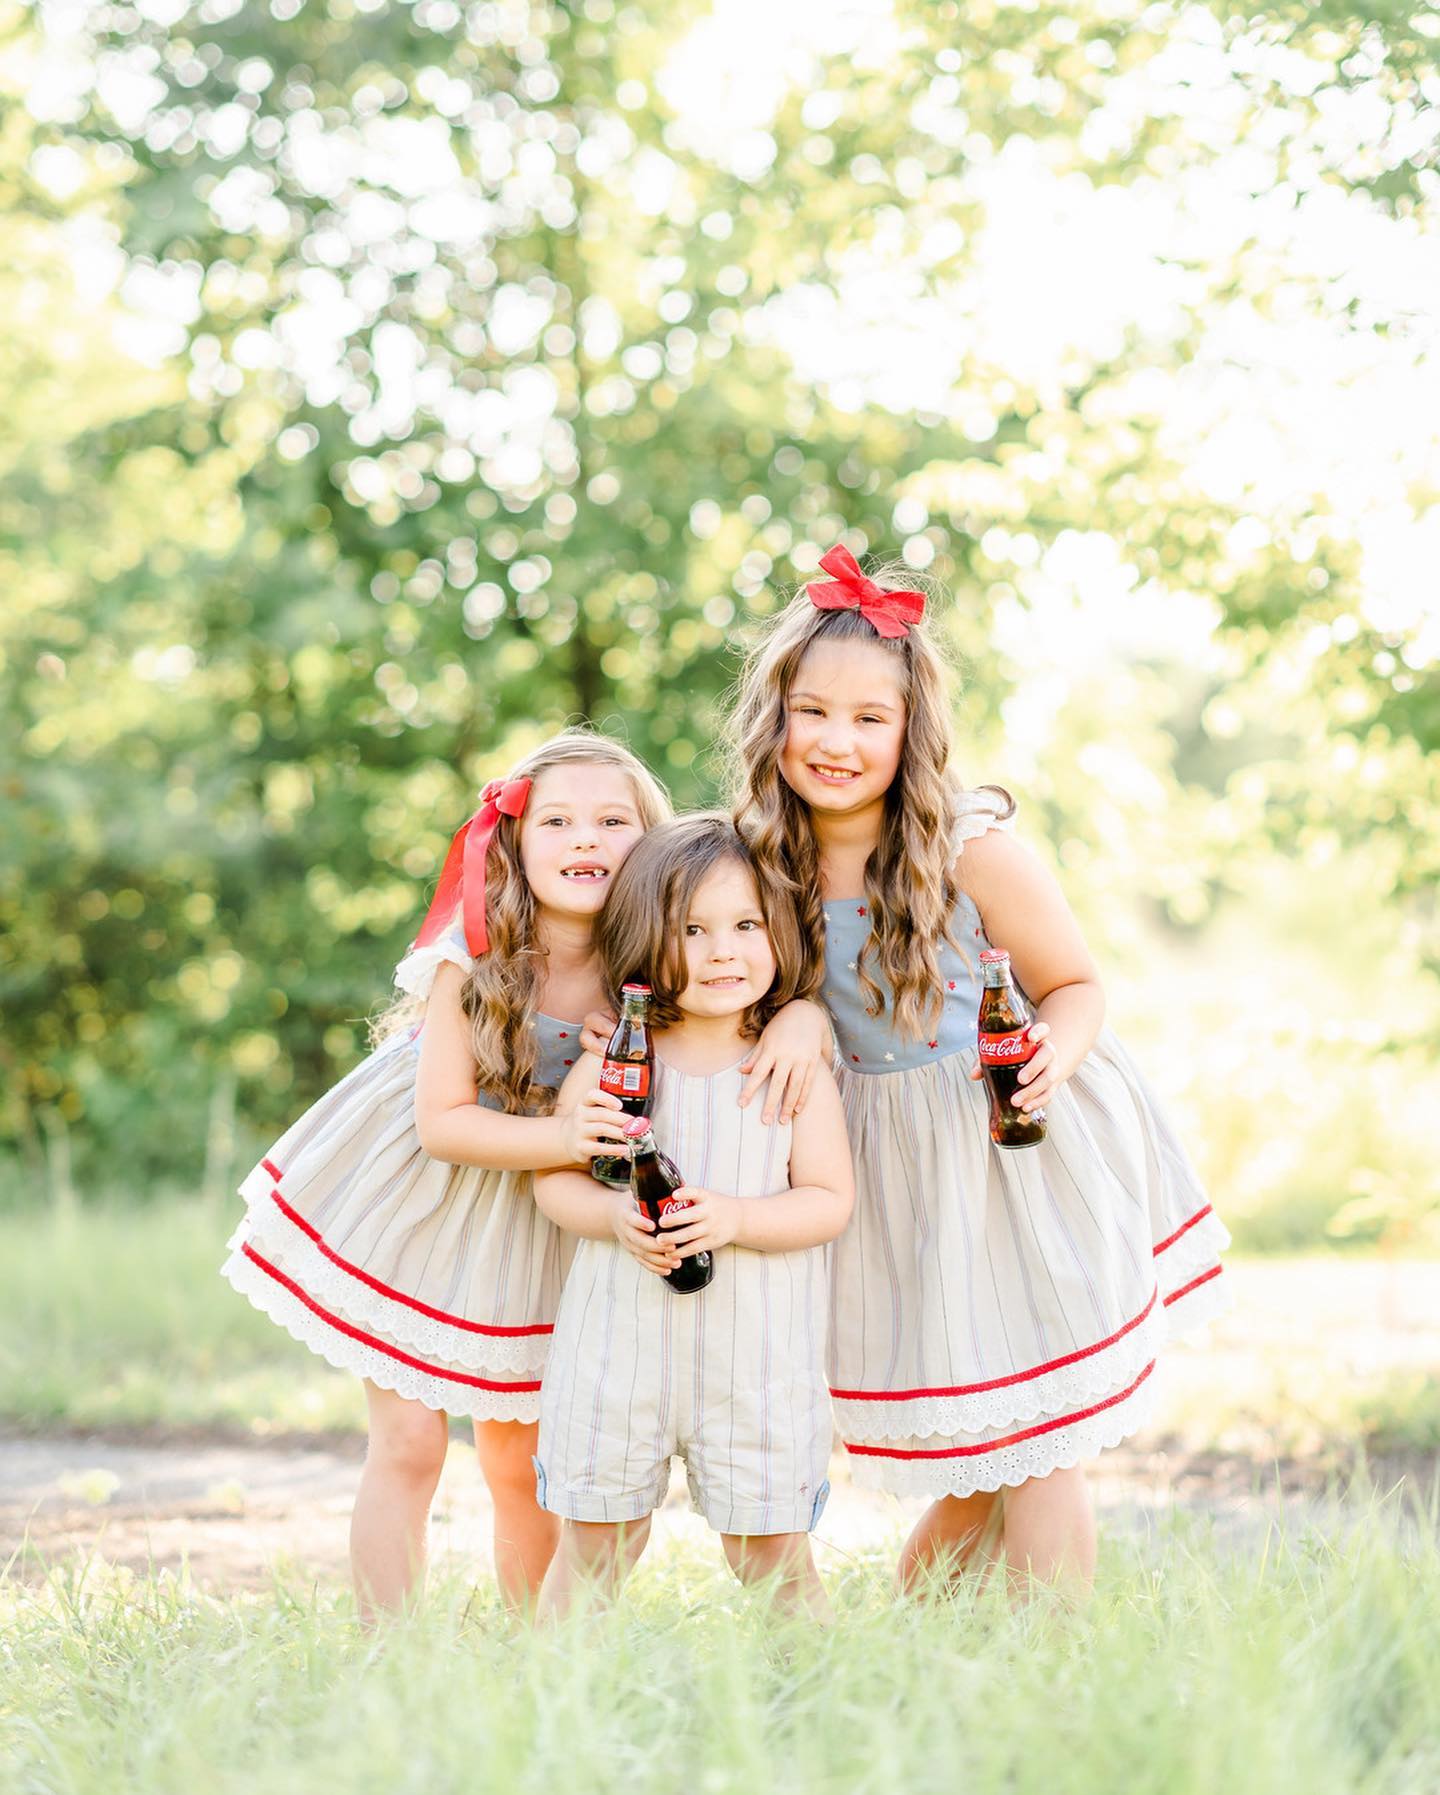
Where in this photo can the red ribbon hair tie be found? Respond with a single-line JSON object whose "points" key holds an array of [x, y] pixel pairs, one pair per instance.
{"points": [[888, 613], [463, 875]]}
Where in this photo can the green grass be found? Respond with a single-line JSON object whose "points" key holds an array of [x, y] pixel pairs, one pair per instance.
{"points": [[1312, 1664], [139, 1329]]}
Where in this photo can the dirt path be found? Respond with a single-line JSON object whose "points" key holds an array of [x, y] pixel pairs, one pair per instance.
{"points": [[234, 1512]]}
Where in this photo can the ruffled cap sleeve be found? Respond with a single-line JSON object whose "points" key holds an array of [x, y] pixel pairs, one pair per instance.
{"points": [[416, 972], [979, 810]]}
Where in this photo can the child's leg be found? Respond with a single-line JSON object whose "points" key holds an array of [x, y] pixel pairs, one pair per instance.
{"points": [[525, 1536], [593, 1559], [1050, 1532], [403, 1461], [945, 1540], [785, 1562]]}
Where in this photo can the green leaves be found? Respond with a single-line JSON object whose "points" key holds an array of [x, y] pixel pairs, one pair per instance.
{"points": [[393, 385]]}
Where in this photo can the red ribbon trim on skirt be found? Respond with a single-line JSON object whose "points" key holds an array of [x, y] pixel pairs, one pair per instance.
{"points": [[354, 1333], [1194, 1284], [1184, 1228], [396, 1296], [1083, 1352], [999, 1383], [1015, 1439]]}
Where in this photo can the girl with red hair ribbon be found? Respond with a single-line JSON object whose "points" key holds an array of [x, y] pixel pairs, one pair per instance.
{"points": [[393, 1228], [997, 1309]]}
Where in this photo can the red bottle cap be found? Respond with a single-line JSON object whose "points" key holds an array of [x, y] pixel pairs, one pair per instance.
{"points": [[993, 955], [635, 990], [635, 1127]]}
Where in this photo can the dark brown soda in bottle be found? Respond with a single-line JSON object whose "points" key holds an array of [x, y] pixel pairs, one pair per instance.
{"points": [[1004, 1049], [653, 1177], [628, 1073]]}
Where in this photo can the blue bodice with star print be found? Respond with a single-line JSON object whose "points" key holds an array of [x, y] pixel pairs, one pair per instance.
{"points": [[558, 1042], [872, 1043]]}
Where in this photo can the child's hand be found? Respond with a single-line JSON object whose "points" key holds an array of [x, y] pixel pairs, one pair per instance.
{"points": [[636, 1233], [708, 1220], [788, 1052], [595, 1032], [594, 1126], [1042, 1074]]}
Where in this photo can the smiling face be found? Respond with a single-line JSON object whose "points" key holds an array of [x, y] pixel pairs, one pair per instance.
{"points": [[579, 824], [845, 726], [729, 962]]}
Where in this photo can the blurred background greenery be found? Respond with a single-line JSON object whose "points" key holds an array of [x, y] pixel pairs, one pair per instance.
{"points": [[386, 384]]}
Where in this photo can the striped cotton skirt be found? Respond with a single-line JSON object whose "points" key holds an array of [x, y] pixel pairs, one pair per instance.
{"points": [[997, 1314], [436, 1281]]}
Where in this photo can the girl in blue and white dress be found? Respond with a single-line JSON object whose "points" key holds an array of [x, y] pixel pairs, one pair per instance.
{"points": [[393, 1229], [997, 1314]]}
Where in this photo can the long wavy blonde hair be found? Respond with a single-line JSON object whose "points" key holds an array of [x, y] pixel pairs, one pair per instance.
{"points": [[909, 877], [501, 992]]}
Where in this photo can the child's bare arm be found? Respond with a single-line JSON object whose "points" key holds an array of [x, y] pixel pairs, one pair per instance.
{"points": [[1024, 911], [815, 1208], [453, 1127], [574, 1201]]}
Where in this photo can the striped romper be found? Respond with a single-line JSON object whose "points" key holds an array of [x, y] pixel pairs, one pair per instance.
{"points": [[439, 1282], [997, 1314], [730, 1378]]}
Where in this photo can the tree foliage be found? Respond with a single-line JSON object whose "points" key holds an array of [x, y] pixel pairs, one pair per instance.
{"points": [[486, 406]]}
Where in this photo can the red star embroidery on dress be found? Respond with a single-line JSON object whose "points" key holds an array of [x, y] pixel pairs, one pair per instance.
{"points": [[569, 1062], [563, 1033], [934, 1043], [951, 985], [856, 1058], [860, 911]]}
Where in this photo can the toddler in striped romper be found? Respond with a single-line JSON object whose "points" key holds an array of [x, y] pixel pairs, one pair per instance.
{"points": [[730, 1378]]}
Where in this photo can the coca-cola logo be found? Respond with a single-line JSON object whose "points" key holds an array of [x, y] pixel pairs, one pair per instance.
{"points": [[625, 1080], [1006, 1050]]}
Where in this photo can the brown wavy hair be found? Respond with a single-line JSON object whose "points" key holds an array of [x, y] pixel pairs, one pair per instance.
{"points": [[910, 887], [641, 933], [501, 992]]}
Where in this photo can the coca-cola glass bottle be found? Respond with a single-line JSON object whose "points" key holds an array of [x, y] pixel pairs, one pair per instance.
{"points": [[654, 1179], [1005, 1047], [627, 1073]]}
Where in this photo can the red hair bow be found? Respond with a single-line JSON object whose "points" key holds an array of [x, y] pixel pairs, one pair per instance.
{"points": [[463, 875], [888, 613]]}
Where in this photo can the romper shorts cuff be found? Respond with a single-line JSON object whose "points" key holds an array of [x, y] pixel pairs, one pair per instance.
{"points": [[593, 1505], [754, 1519]]}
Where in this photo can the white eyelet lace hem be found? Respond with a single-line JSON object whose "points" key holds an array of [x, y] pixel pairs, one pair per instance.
{"points": [[1005, 1466], [345, 1354], [334, 1287]]}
